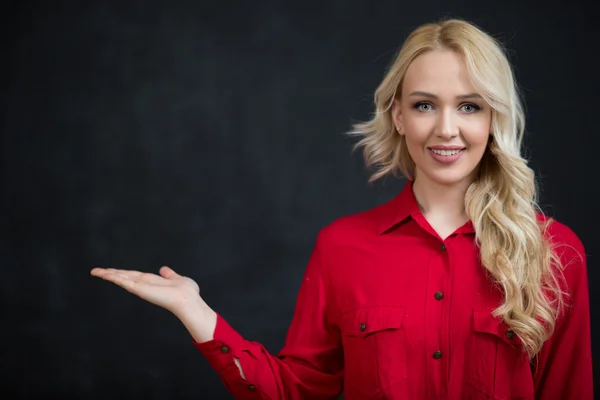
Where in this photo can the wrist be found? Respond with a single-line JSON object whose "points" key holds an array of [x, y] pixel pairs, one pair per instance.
{"points": [[199, 319]]}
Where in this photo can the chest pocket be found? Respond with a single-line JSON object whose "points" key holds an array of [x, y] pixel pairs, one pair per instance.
{"points": [[497, 367], [374, 349]]}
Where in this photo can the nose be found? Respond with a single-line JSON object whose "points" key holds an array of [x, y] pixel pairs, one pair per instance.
{"points": [[446, 125]]}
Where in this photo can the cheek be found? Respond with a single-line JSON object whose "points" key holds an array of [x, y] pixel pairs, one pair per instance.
{"points": [[478, 140], [477, 134], [415, 145], [417, 130]]}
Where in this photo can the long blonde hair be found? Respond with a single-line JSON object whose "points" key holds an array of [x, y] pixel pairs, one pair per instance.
{"points": [[502, 201]]}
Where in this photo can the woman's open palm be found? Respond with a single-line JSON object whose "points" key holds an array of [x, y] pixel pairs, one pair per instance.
{"points": [[168, 290]]}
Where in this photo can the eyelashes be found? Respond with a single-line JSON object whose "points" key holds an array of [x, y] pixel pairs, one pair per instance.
{"points": [[468, 108]]}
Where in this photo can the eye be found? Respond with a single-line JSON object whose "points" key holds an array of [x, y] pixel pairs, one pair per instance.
{"points": [[423, 106], [470, 108]]}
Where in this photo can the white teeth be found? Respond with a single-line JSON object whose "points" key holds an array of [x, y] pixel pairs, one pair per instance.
{"points": [[446, 152]]}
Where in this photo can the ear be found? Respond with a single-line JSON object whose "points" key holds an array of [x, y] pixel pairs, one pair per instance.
{"points": [[397, 117]]}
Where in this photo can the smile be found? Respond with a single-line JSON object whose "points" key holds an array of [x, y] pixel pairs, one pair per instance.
{"points": [[446, 152], [446, 156]]}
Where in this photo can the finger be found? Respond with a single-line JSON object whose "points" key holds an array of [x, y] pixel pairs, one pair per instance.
{"points": [[124, 272], [97, 270], [168, 273], [121, 280], [108, 269], [101, 272], [131, 274], [137, 276]]}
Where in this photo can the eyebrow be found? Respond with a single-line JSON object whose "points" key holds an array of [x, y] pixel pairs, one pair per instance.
{"points": [[433, 96]]}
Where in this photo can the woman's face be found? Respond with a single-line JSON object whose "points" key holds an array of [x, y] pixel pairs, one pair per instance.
{"points": [[445, 121]]}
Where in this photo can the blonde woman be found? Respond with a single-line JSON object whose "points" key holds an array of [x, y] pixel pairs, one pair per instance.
{"points": [[459, 288]]}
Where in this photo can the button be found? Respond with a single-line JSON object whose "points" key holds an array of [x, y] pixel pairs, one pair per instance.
{"points": [[443, 247], [362, 327], [439, 295], [224, 349], [437, 355], [510, 334], [252, 388]]}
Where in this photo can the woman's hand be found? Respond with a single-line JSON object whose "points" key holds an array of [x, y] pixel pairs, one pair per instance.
{"points": [[170, 290]]}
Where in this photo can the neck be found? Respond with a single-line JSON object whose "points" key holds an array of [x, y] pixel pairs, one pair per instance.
{"points": [[440, 199]]}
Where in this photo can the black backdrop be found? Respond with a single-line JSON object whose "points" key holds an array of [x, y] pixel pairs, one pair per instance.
{"points": [[209, 137]]}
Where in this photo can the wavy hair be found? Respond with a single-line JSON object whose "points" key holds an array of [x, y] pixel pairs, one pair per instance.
{"points": [[502, 201]]}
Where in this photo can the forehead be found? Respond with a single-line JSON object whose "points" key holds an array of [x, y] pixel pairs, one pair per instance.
{"points": [[438, 72]]}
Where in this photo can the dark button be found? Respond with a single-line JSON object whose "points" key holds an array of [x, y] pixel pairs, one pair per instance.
{"points": [[443, 247], [252, 388], [510, 334], [363, 326], [439, 295], [437, 355], [224, 349]]}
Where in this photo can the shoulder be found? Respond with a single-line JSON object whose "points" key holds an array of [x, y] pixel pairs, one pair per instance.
{"points": [[355, 227], [570, 250], [563, 239]]}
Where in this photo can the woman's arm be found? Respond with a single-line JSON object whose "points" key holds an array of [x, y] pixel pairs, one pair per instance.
{"points": [[563, 368], [310, 366]]}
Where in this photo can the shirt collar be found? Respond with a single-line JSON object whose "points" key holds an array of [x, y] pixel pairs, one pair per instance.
{"points": [[405, 205]]}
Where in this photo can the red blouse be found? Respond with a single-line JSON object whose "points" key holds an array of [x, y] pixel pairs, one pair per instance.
{"points": [[389, 310]]}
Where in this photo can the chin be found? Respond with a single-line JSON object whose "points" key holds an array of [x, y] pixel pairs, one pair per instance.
{"points": [[448, 178]]}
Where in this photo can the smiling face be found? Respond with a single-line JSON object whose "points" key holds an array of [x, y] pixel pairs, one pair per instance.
{"points": [[445, 122]]}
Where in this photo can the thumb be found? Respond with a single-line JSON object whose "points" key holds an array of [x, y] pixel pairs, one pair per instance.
{"points": [[168, 273]]}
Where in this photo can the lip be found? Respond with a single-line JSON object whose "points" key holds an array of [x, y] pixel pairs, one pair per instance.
{"points": [[446, 147], [446, 159]]}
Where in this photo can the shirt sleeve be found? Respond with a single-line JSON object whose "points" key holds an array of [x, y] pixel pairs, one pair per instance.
{"points": [[563, 369], [310, 365]]}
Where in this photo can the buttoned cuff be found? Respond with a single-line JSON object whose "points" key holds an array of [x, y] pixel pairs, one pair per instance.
{"points": [[220, 352], [226, 344]]}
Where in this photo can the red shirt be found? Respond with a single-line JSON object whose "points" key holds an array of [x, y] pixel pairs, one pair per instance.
{"points": [[387, 309]]}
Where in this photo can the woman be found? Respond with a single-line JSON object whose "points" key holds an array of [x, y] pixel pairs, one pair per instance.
{"points": [[459, 288]]}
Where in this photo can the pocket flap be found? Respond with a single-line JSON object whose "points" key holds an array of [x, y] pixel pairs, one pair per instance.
{"points": [[485, 322], [366, 320]]}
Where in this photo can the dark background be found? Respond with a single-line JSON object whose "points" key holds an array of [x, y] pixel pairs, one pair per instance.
{"points": [[209, 137]]}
